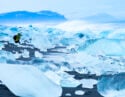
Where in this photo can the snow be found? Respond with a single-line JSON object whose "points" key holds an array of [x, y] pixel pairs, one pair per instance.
{"points": [[28, 81]]}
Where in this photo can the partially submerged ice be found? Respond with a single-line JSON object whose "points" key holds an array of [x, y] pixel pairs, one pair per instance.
{"points": [[28, 81]]}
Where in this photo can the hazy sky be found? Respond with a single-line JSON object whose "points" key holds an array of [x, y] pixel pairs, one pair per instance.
{"points": [[70, 8]]}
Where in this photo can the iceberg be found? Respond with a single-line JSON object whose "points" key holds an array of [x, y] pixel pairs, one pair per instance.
{"points": [[112, 86], [28, 81], [40, 62], [110, 47]]}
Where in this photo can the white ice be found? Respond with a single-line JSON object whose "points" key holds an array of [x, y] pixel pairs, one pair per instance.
{"points": [[81, 53], [28, 81], [79, 92], [88, 83]]}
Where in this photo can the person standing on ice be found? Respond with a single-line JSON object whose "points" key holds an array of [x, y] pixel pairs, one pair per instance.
{"points": [[17, 38]]}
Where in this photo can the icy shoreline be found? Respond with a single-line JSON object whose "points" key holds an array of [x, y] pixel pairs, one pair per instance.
{"points": [[92, 50]]}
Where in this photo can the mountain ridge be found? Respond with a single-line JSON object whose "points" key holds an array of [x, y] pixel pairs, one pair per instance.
{"points": [[103, 18], [27, 16]]}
